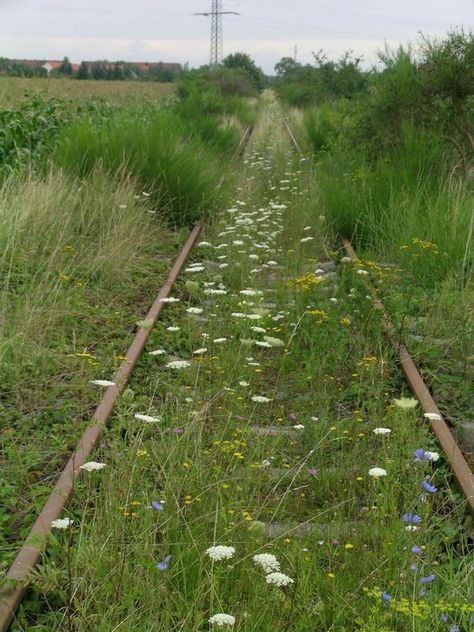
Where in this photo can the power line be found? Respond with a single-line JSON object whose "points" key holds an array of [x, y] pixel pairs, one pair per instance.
{"points": [[217, 46]]}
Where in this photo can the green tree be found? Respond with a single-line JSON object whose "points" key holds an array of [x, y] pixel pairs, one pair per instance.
{"points": [[83, 72], [245, 62], [66, 67]]}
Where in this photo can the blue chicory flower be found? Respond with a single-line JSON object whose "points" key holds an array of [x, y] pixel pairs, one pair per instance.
{"points": [[386, 598], [156, 505], [162, 566], [444, 618], [416, 550], [419, 455], [429, 488], [428, 579], [413, 518]]}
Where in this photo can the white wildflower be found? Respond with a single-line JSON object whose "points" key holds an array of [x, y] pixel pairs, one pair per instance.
{"points": [[333, 300], [406, 402], [102, 382], [346, 260], [265, 463], [222, 619], [91, 466], [169, 299], [260, 399], [362, 272], [172, 328], [274, 342], [305, 239], [299, 427], [220, 340], [61, 523], [195, 310], [178, 364], [261, 343], [377, 472], [213, 291], [250, 292], [220, 552], [382, 431], [432, 416], [195, 269], [157, 352], [147, 418], [267, 561], [279, 579], [200, 351], [244, 384], [258, 330], [431, 456]]}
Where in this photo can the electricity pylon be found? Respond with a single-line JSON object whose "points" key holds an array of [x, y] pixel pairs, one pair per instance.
{"points": [[216, 14]]}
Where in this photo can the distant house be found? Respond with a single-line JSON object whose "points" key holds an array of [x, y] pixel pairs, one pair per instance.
{"points": [[56, 65]]}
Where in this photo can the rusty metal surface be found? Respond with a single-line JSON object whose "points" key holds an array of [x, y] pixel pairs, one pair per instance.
{"points": [[12, 591], [459, 466]]}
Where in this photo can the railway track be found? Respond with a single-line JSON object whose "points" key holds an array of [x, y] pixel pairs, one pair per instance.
{"points": [[459, 465], [14, 588]]}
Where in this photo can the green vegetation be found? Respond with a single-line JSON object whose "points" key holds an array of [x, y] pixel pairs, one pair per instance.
{"points": [[268, 413], [270, 405]]}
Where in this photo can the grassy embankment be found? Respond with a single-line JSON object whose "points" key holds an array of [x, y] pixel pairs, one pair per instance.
{"points": [[394, 165], [259, 341], [84, 248]]}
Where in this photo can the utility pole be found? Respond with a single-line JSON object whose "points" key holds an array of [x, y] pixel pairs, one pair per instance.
{"points": [[216, 14]]}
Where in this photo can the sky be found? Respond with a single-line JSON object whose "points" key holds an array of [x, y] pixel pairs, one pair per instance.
{"points": [[155, 30]]}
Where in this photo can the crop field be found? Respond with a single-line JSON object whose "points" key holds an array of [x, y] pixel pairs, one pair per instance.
{"points": [[14, 90], [258, 461]]}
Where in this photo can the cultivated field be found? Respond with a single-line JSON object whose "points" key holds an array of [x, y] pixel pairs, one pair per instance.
{"points": [[14, 90]]}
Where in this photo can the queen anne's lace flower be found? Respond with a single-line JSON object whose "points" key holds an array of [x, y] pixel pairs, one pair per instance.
{"points": [[382, 431], [432, 416], [279, 579], [147, 418], [222, 619], [220, 552], [90, 466], [267, 561], [260, 399], [377, 472], [61, 523], [406, 402], [102, 382], [178, 364], [195, 310]]}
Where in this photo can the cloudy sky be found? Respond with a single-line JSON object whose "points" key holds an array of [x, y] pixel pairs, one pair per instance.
{"points": [[155, 30]]}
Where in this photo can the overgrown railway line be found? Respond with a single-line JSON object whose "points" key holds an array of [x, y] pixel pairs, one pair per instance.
{"points": [[28, 556]]}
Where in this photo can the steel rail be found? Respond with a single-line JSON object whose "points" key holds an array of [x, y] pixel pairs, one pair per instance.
{"points": [[14, 588], [459, 466]]}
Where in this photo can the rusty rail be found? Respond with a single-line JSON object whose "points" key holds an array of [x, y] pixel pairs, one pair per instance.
{"points": [[13, 590], [459, 466]]}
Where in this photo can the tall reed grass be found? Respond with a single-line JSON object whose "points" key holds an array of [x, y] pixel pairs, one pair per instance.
{"points": [[166, 155]]}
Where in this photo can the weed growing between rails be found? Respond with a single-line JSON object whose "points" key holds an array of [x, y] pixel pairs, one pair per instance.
{"points": [[264, 471]]}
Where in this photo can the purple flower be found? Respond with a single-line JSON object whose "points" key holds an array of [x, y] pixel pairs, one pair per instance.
{"points": [[414, 567], [178, 431], [444, 618], [292, 416], [162, 566], [454, 628], [334, 541], [428, 579], [313, 472], [416, 550], [429, 488], [386, 598], [156, 505], [419, 455], [413, 518], [422, 593]]}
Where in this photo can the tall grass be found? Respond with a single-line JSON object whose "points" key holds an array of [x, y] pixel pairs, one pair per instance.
{"points": [[59, 239], [172, 164], [386, 202]]}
